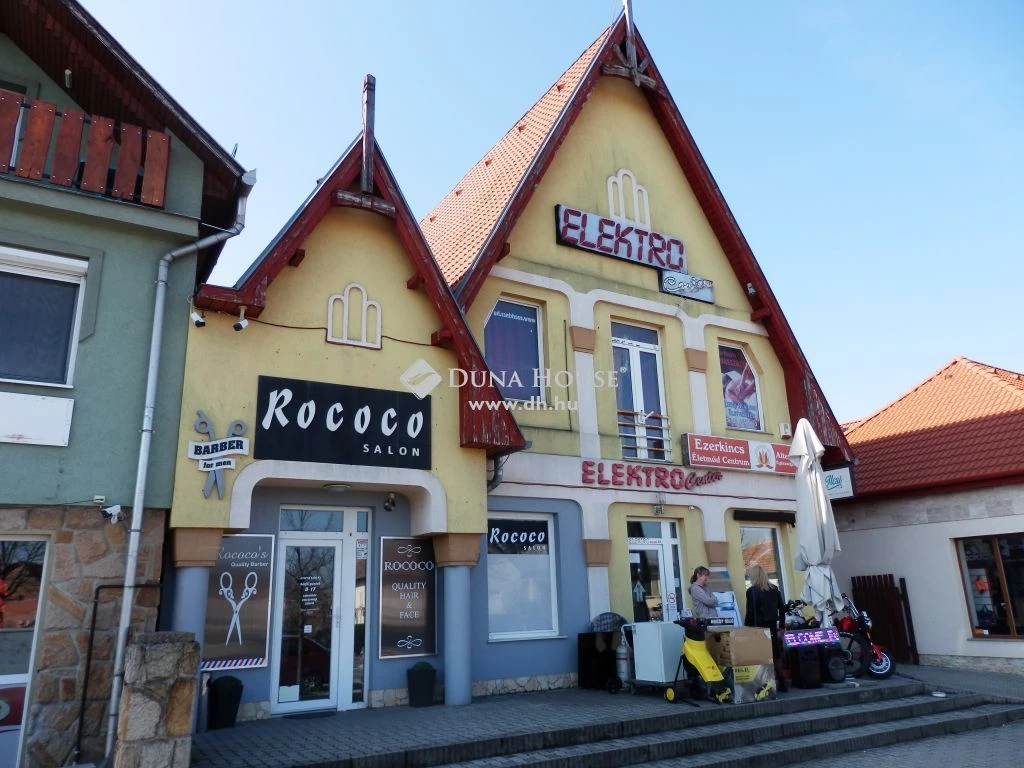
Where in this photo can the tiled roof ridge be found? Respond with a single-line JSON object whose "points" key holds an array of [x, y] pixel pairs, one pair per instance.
{"points": [[983, 370], [485, 159], [859, 423], [986, 370]]}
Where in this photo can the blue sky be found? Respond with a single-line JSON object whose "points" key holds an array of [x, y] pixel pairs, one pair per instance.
{"points": [[872, 152]]}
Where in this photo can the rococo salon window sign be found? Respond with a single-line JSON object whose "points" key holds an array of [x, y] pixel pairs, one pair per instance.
{"points": [[408, 598], [339, 424]]}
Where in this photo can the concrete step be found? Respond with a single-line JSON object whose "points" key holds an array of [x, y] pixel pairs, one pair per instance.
{"points": [[677, 716], [781, 752], [764, 732]]}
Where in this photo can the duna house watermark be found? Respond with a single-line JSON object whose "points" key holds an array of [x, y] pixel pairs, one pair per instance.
{"points": [[421, 379]]}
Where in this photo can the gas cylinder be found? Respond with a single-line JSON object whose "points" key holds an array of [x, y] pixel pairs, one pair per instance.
{"points": [[624, 660]]}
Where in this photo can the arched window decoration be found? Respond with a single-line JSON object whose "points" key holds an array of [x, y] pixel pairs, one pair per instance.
{"points": [[364, 336], [623, 189]]}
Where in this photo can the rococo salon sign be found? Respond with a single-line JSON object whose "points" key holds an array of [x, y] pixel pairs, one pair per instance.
{"points": [[339, 424]]}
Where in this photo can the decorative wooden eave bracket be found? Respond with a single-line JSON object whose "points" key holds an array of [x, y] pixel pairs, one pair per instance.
{"points": [[342, 197], [634, 72], [627, 67], [442, 338]]}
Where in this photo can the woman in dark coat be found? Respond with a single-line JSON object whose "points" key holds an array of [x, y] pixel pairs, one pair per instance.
{"points": [[767, 609]]}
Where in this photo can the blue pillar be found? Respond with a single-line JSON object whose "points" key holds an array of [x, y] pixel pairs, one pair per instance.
{"points": [[189, 615], [458, 678]]}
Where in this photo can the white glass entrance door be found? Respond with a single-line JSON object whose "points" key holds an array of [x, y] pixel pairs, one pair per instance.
{"points": [[654, 570], [320, 612], [306, 633]]}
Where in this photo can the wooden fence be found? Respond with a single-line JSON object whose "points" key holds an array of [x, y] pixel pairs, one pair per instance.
{"points": [[79, 153], [888, 606]]}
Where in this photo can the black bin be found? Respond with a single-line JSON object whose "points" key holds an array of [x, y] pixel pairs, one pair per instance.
{"points": [[225, 695], [595, 659]]}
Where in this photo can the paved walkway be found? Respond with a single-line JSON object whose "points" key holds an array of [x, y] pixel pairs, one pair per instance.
{"points": [[283, 741]]}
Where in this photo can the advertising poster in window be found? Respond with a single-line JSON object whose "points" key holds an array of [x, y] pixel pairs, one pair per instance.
{"points": [[408, 598], [511, 347], [238, 603], [739, 390], [519, 577]]}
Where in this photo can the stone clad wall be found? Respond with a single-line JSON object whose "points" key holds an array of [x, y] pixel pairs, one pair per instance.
{"points": [[84, 551], [158, 702]]}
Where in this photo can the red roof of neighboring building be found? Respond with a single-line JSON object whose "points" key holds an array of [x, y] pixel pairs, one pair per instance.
{"points": [[469, 228], [960, 427]]}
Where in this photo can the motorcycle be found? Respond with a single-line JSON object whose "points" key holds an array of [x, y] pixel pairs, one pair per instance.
{"points": [[860, 652]]}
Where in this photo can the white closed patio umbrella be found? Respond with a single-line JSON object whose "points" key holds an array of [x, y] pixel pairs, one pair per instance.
{"points": [[817, 538]]}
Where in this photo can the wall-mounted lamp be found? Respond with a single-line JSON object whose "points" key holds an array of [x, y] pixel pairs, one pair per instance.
{"points": [[242, 323], [389, 502], [198, 320], [67, 79], [751, 290]]}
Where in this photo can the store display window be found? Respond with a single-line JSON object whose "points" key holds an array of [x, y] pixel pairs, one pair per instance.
{"points": [[993, 577], [521, 590], [760, 546]]}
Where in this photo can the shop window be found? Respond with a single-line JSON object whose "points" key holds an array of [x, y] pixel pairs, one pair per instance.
{"points": [[640, 394], [741, 391], [22, 569], [513, 351], [521, 587], [760, 546], [40, 314], [993, 572]]}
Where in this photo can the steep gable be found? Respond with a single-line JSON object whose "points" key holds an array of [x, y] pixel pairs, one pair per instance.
{"points": [[484, 206], [494, 430], [960, 426]]}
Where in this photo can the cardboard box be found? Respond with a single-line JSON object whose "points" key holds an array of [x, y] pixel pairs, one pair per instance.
{"points": [[753, 682], [740, 646]]}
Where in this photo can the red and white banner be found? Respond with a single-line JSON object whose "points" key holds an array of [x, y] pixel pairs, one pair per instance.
{"points": [[730, 453]]}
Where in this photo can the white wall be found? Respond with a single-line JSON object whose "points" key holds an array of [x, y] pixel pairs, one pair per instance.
{"points": [[913, 538]]}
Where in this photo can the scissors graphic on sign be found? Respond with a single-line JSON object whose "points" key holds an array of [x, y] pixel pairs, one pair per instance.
{"points": [[214, 477], [227, 592]]}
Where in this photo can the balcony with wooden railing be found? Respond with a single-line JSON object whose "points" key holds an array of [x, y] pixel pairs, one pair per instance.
{"points": [[645, 436], [87, 153]]}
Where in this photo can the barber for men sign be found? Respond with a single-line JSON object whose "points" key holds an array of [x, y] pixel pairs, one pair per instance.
{"points": [[339, 424]]}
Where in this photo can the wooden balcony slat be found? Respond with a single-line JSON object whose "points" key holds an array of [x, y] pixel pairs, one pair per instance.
{"points": [[68, 150], [97, 155], [10, 112], [154, 175], [129, 157], [35, 143]]}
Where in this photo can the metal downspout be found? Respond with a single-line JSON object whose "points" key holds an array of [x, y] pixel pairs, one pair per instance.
{"points": [[499, 472], [128, 598]]}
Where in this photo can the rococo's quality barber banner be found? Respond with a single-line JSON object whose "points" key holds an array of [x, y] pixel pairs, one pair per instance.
{"points": [[408, 598], [238, 603], [338, 424]]}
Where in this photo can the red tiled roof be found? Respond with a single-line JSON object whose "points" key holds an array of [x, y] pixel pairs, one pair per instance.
{"points": [[467, 231], [458, 226], [963, 425]]}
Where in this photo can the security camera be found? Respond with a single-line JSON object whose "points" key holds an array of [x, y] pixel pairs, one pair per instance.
{"points": [[241, 325], [198, 319], [113, 513]]}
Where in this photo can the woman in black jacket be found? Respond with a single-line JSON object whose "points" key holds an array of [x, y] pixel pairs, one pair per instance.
{"points": [[766, 608]]}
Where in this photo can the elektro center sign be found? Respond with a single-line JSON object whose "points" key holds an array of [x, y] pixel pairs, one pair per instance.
{"points": [[620, 239]]}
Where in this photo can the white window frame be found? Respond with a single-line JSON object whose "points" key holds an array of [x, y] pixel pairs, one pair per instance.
{"points": [[635, 348], [757, 383], [553, 570], [776, 531], [541, 389], [58, 269]]}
